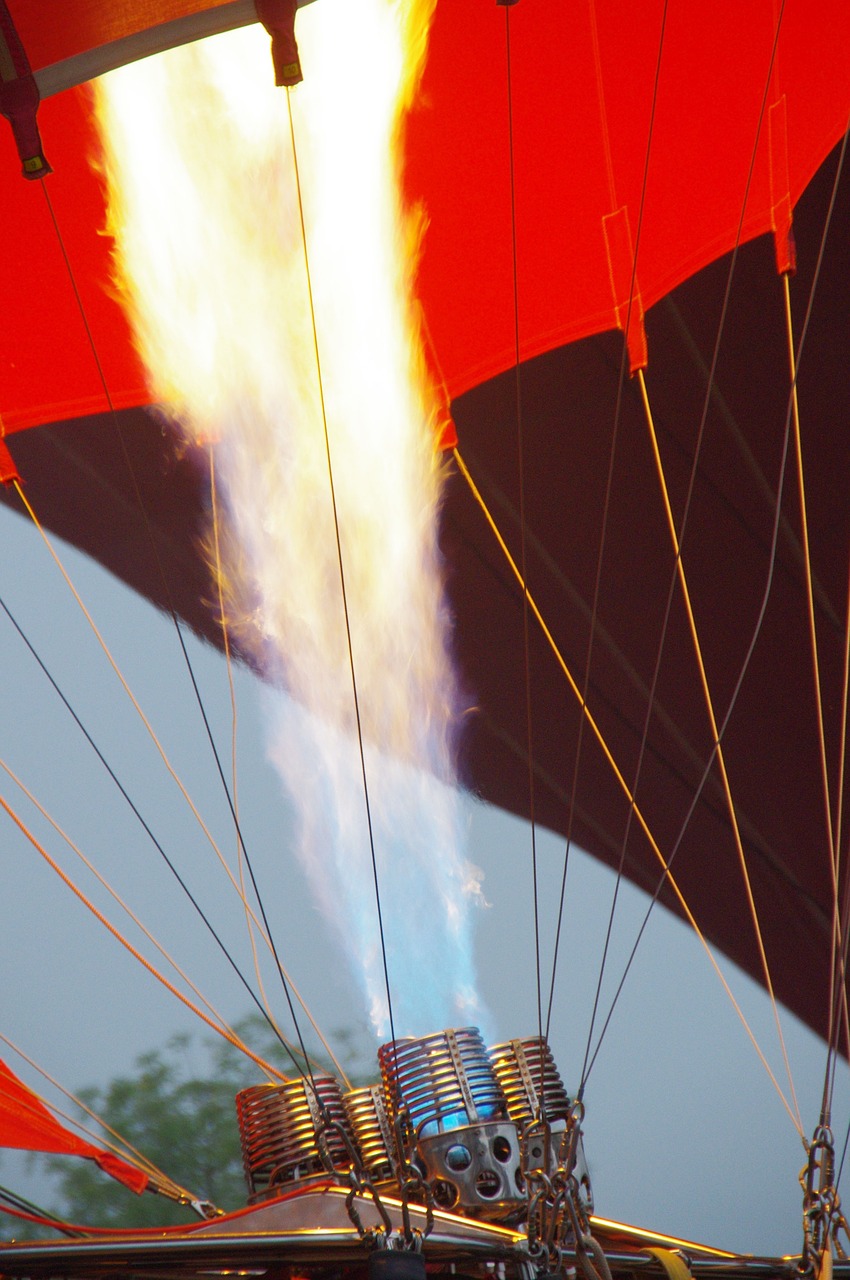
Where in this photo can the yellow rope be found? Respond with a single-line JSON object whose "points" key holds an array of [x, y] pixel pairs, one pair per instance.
{"points": [[111, 660], [715, 734], [115, 896], [836, 945], [532, 604], [807, 564]]}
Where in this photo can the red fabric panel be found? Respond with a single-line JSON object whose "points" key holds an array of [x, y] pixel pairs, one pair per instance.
{"points": [[574, 164], [47, 369], [27, 1125], [713, 75]]}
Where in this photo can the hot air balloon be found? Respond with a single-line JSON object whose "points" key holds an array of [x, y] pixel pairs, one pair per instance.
{"points": [[617, 215]]}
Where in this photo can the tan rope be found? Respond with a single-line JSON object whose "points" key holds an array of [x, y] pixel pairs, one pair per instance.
{"points": [[137, 955], [117, 898], [111, 660], [807, 565], [623, 784], [718, 746], [836, 947], [233, 735]]}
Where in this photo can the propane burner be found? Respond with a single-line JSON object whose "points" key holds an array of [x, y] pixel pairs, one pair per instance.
{"points": [[488, 1134], [291, 1132], [536, 1097], [454, 1118]]}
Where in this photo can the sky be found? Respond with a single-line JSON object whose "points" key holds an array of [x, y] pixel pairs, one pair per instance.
{"points": [[684, 1132]]}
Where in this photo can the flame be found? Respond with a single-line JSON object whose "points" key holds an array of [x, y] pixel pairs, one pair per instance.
{"points": [[302, 370]]}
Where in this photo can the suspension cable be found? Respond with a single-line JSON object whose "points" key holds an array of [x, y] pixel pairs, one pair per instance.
{"points": [[700, 433], [285, 982], [116, 897], [777, 522], [522, 524], [718, 747], [125, 1144], [832, 829], [282, 972], [332, 490], [666, 873], [621, 382], [165, 857], [234, 786], [119, 937]]}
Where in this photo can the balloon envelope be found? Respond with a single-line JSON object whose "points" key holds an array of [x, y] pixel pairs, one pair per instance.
{"points": [[637, 155]]}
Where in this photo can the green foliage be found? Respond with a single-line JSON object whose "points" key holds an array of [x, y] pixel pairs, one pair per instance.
{"points": [[178, 1111]]}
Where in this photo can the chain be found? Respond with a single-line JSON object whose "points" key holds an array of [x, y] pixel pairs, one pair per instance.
{"points": [[556, 1212], [413, 1185], [822, 1215], [360, 1182]]}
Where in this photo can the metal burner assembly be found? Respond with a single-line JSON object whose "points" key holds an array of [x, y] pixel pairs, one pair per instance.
{"points": [[542, 1111], [454, 1117], [467, 1129], [371, 1127]]}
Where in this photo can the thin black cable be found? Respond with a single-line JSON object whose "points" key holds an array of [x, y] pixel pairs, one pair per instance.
{"points": [[843, 1156], [767, 590], [832, 1049], [692, 479], [18, 1207], [140, 502], [523, 564], [840, 994], [341, 574], [143, 509], [597, 586], [159, 848]]}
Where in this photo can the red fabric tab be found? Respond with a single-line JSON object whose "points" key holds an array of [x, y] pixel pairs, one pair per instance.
{"points": [[446, 433], [27, 1125], [8, 471], [19, 98], [780, 190], [628, 304], [278, 18]]}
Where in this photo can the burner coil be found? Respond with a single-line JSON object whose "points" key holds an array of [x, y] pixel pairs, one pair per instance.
{"points": [[530, 1080], [443, 1090], [371, 1127], [442, 1081], [283, 1134]]}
